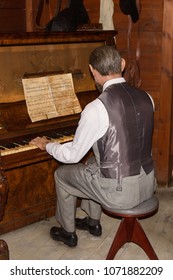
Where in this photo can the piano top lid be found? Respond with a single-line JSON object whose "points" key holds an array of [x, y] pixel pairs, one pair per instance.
{"points": [[34, 38]]}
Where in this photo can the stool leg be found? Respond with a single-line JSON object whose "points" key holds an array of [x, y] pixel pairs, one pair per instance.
{"points": [[120, 239], [4, 253], [139, 237], [130, 230]]}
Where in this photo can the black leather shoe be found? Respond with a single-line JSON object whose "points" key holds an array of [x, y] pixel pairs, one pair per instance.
{"points": [[83, 224], [59, 234]]}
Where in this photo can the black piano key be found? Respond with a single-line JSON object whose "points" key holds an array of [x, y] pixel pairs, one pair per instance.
{"points": [[22, 142], [54, 135], [50, 135], [9, 145], [2, 148]]}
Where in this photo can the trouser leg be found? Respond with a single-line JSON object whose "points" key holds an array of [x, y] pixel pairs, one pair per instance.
{"points": [[72, 182], [92, 208]]}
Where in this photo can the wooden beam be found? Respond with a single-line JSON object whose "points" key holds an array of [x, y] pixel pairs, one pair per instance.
{"points": [[164, 164], [29, 15]]}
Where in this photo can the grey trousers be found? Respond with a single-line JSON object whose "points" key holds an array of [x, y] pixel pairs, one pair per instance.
{"points": [[84, 181]]}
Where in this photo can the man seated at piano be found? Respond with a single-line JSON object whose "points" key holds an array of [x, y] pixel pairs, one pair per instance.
{"points": [[118, 126]]}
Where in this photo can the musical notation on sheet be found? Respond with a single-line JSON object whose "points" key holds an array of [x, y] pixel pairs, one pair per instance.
{"points": [[50, 96]]}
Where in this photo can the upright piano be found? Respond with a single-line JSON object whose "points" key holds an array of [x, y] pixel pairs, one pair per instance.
{"points": [[27, 174]]}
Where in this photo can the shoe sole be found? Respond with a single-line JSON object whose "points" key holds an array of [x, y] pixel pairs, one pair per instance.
{"points": [[70, 245], [66, 243], [90, 231], [95, 234]]}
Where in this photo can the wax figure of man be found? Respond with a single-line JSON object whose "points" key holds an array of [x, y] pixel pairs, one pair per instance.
{"points": [[118, 126]]}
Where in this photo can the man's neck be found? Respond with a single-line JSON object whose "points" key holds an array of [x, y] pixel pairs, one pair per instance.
{"points": [[110, 77]]}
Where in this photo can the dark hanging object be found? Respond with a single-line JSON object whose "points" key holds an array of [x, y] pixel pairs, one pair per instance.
{"points": [[69, 18], [132, 70], [130, 7]]}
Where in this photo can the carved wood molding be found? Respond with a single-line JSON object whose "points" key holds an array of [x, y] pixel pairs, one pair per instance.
{"points": [[4, 252], [3, 190]]}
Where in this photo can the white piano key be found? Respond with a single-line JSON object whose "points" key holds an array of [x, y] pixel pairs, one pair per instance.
{"points": [[24, 148]]}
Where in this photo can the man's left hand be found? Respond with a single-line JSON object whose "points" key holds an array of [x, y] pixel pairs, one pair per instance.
{"points": [[40, 142]]}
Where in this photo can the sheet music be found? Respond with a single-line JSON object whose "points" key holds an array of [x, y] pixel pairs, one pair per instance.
{"points": [[50, 96]]}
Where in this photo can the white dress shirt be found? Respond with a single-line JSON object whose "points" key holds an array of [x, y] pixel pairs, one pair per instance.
{"points": [[93, 124]]}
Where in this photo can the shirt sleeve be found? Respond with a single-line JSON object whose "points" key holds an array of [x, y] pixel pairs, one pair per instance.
{"points": [[92, 126]]}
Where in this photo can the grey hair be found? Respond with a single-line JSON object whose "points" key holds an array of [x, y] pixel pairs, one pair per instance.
{"points": [[106, 60]]}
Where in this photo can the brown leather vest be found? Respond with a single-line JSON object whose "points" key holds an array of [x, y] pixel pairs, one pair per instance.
{"points": [[126, 146]]}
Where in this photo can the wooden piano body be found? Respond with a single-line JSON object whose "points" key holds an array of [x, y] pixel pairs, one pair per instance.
{"points": [[29, 174]]}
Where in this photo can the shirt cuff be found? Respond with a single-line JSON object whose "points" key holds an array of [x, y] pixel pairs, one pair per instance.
{"points": [[50, 146]]}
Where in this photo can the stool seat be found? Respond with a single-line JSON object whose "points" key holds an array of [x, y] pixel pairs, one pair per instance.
{"points": [[148, 207], [130, 229]]}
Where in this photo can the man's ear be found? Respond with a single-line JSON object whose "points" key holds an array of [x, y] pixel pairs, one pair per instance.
{"points": [[123, 64], [91, 68], [93, 71]]}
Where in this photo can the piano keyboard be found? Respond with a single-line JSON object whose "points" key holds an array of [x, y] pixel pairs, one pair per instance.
{"points": [[23, 145]]}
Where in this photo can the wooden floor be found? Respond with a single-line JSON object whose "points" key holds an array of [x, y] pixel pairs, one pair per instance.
{"points": [[34, 243]]}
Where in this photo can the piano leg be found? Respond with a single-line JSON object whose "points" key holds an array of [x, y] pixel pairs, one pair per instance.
{"points": [[4, 252]]}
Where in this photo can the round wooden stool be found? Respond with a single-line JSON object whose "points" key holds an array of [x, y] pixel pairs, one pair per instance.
{"points": [[130, 229]]}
